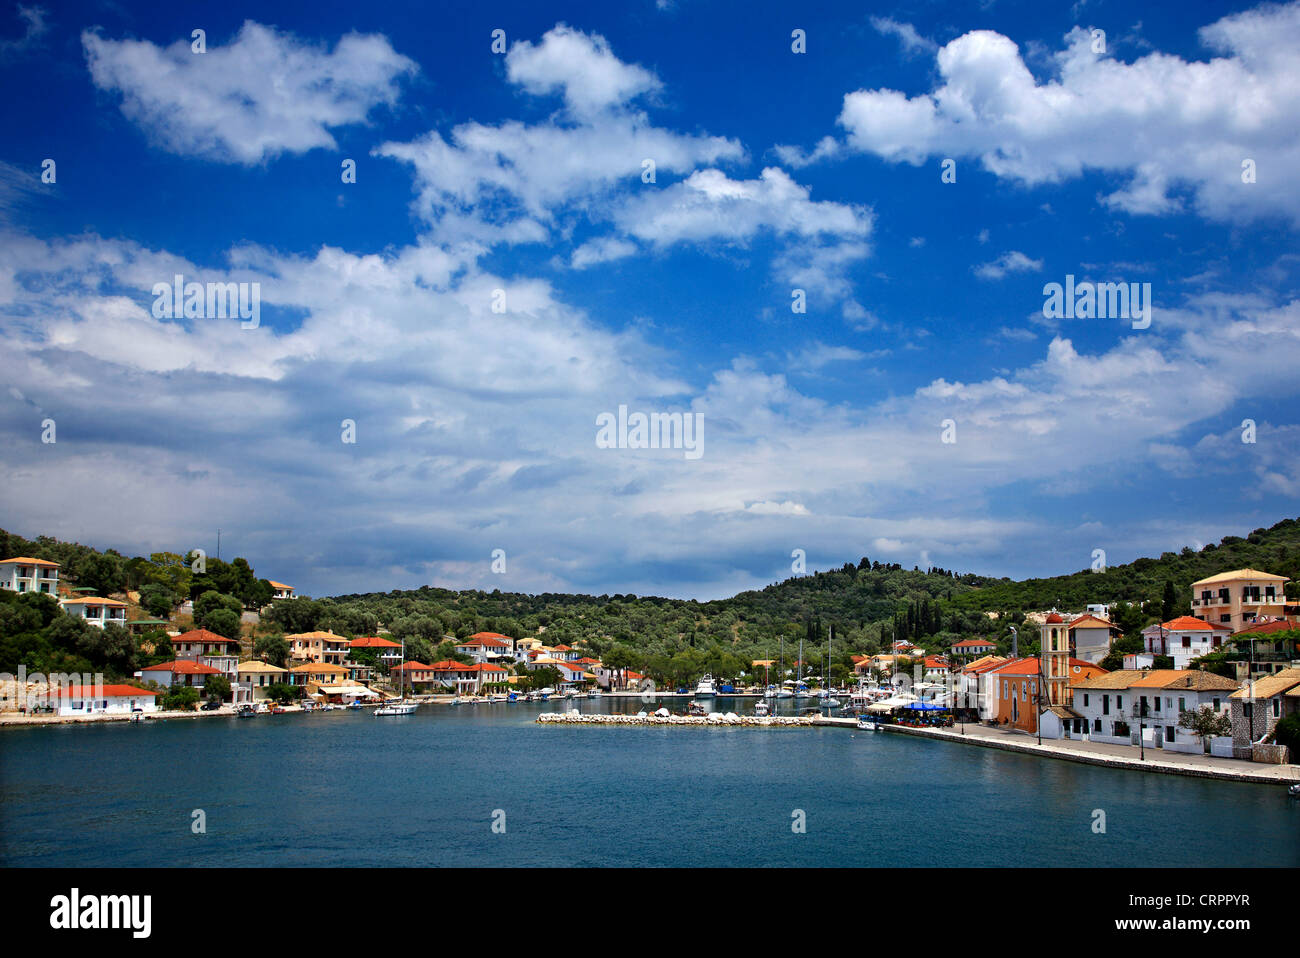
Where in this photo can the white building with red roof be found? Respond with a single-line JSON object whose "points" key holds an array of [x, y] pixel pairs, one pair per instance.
{"points": [[973, 647], [77, 700], [180, 672], [1184, 638], [486, 646]]}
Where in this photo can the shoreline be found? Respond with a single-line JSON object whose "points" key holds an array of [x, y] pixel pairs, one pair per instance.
{"points": [[1191, 766]]}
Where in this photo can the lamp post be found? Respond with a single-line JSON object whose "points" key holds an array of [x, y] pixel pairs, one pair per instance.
{"points": [[1139, 713]]}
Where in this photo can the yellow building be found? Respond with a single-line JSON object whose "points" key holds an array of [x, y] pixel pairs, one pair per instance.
{"points": [[1239, 598]]}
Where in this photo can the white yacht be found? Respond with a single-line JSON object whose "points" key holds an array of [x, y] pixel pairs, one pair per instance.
{"points": [[705, 690]]}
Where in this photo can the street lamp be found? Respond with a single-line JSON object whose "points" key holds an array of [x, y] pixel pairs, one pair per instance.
{"points": [[1139, 713]]}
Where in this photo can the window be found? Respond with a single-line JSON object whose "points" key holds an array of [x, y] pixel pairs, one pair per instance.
{"points": [[1182, 704], [1157, 703], [1119, 702], [1225, 618], [1085, 699], [1169, 733], [1096, 725], [1105, 707], [1216, 705]]}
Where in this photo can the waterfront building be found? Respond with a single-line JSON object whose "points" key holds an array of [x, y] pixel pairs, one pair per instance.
{"points": [[1240, 598], [459, 676], [256, 677], [105, 700], [1184, 638], [975, 691], [1265, 648], [318, 647], [1258, 705], [1019, 690], [25, 574], [1114, 706], [316, 673], [98, 612]]}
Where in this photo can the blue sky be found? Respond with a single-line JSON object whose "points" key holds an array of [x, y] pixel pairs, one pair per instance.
{"points": [[1114, 157]]}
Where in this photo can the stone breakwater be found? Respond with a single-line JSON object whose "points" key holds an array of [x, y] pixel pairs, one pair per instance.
{"points": [[717, 718]]}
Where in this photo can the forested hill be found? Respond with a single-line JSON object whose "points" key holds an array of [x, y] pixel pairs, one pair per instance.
{"points": [[867, 603]]}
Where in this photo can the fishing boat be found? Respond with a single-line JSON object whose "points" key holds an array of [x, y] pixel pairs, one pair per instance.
{"points": [[705, 689], [355, 705], [398, 706], [761, 710], [696, 709]]}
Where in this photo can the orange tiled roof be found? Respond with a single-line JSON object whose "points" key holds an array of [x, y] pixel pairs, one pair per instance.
{"points": [[203, 635], [28, 560], [374, 642], [1189, 623]]}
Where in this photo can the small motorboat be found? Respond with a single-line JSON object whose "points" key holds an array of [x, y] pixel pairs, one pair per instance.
{"points": [[761, 710], [696, 709], [399, 707], [1294, 791], [355, 704], [246, 711], [868, 723]]}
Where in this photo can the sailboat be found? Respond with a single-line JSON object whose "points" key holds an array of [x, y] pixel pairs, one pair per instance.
{"points": [[400, 706], [828, 701]]}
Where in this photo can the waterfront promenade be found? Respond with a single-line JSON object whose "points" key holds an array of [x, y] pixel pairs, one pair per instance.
{"points": [[1099, 753]]}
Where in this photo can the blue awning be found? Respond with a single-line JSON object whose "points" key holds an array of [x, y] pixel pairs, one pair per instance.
{"points": [[926, 707]]}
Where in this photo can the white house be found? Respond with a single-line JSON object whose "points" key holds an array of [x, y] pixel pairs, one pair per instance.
{"points": [[282, 591], [485, 646], [25, 574], [1184, 638], [97, 611], [180, 672], [1115, 704], [105, 700]]}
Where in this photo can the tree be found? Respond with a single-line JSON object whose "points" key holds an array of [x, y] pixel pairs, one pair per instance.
{"points": [[217, 687], [1205, 723], [1287, 732], [1169, 603], [283, 693], [224, 623], [619, 659], [158, 599], [181, 698], [273, 649]]}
